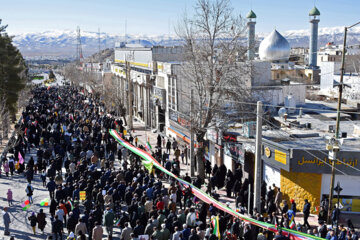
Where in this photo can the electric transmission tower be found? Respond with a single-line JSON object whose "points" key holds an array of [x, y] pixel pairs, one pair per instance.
{"points": [[79, 54], [99, 39]]}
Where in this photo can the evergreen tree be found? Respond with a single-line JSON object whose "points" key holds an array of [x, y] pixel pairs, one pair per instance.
{"points": [[13, 71]]}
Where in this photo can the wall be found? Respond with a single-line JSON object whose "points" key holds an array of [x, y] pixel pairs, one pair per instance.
{"points": [[328, 70], [301, 186], [276, 95], [346, 183], [229, 163], [271, 176], [261, 73], [297, 91], [167, 54], [137, 55]]}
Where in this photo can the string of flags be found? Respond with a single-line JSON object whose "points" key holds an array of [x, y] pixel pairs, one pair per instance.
{"points": [[149, 160]]}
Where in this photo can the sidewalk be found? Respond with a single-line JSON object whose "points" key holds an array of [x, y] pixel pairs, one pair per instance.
{"points": [[143, 134]]}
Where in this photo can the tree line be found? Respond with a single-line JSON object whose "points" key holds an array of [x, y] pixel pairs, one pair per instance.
{"points": [[13, 75]]}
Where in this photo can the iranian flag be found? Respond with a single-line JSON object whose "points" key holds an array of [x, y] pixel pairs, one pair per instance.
{"points": [[148, 146], [215, 223], [59, 97]]}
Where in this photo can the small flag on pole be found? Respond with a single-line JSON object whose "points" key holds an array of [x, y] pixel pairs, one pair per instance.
{"points": [[148, 146], [59, 97], [215, 223], [291, 216], [117, 223], [71, 205]]}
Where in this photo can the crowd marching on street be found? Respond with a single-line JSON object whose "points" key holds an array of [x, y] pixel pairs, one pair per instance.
{"points": [[76, 155]]}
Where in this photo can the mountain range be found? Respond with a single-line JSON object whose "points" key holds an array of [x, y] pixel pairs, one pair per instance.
{"points": [[62, 43]]}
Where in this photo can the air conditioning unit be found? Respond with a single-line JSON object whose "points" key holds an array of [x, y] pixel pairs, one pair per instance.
{"points": [[331, 128]]}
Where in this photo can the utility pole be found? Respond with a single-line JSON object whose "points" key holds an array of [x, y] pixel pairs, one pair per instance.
{"points": [[130, 94], [258, 160], [333, 146], [192, 160]]}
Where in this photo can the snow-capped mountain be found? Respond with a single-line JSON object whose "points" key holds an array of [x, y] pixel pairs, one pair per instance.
{"points": [[63, 43]]}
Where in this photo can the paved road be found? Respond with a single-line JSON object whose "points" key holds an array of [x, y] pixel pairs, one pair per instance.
{"points": [[20, 227]]}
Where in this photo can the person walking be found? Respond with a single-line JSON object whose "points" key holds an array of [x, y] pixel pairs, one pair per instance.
{"points": [[80, 227], [109, 221], [11, 165], [29, 192], [33, 222], [41, 220], [51, 186], [168, 146], [6, 221], [9, 195], [57, 227], [306, 211], [6, 168], [97, 232], [278, 199]]}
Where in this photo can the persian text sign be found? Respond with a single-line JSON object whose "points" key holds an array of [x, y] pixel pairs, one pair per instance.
{"points": [[316, 161]]}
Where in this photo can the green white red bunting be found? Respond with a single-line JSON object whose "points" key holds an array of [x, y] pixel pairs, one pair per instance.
{"points": [[150, 162]]}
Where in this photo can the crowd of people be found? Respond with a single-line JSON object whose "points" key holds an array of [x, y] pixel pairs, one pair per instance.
{"points": [[75, 153]]}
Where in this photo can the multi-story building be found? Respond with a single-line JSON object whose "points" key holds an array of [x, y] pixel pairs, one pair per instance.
{"points": [[149, 69]]}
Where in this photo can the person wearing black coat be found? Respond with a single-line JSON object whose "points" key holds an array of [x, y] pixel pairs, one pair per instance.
{"points": [[306, 211], [247, 233], [71, 223], [229, 183], [52, 208], [33, 222], [57, 227]]}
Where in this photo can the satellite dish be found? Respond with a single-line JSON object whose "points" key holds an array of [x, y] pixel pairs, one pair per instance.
{"points": [[282, 112]]}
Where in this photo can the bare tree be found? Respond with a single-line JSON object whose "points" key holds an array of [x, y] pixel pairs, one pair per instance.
{"points": [[113, 98], [72, 74], [214, 67]]}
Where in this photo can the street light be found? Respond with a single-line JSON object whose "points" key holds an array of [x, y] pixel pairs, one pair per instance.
{"points": [[342, 69]]}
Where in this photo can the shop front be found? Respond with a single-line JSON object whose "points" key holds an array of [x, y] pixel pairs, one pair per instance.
{"points": [[275, 158], [305, 174], [315, 162], [179, 128]]}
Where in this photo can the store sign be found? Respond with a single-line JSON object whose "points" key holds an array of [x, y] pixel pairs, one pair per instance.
{"points": [[173, 115], [179, 118], [267, 152], [275, 155], [280, 157], [315, 161], [160, 94], [229, 137], [234, 150]]}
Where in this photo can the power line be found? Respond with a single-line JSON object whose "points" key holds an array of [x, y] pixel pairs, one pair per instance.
{"points": [[311, 146], [280, 106]]}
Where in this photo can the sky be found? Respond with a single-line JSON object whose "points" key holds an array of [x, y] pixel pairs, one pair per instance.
{"points": [[160, 16]]}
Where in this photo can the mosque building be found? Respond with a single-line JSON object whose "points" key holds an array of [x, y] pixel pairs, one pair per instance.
{"points": [[276, 50]]}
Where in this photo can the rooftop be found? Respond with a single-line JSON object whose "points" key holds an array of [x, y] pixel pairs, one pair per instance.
{"points": [[314, 12], [251, 14], [293, 133]]}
